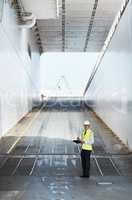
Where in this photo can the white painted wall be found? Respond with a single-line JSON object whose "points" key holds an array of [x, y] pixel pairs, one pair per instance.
{"points": [[42, 9], [16, 71], [111, 88], [74, 67]]}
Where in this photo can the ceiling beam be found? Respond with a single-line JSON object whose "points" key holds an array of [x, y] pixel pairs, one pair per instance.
{"points": [[90, 25], [37, 36]]}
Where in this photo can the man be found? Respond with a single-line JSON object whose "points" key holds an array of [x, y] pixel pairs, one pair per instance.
{"points": [[87, 139]]}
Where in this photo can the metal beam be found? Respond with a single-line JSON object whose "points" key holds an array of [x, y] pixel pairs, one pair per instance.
{"points": [[63, 24], [90, 25], [37, 36]]}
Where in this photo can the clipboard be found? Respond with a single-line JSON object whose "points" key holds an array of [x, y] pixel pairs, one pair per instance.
{"points": [[77, 141]]}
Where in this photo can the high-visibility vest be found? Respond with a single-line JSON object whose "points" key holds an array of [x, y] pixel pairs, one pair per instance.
{"points": [[86, 137]]}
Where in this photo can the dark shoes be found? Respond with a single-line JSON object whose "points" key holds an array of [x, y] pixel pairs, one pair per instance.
{"points": [[84, 176]]}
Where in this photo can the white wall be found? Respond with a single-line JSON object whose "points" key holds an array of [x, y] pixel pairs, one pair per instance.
{"points": [[16, 69], [35, 74], [111, 89], [74, 68]]}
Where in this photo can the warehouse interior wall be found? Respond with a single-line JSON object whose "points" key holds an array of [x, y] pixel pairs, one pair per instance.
{"points": [[17, 70], [65, 73], [110, 93]]}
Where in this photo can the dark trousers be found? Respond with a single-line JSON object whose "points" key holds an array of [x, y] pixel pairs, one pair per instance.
{"points": [[85, 157]]}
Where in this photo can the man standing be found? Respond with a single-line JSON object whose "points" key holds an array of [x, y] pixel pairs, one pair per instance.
{"points": [[87, 139]]}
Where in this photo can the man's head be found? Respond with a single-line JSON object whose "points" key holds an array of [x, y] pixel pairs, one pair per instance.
{"points": [[86, 125]]}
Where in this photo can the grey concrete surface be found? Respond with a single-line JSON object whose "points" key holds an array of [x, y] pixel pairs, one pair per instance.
{"points": [[58, 188], [45, 163]]}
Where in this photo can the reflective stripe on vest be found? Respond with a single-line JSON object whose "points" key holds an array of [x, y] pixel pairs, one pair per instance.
{"points": [[86, 137]]}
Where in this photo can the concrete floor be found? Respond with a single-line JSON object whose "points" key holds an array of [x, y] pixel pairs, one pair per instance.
{"points": [[40, 161]]}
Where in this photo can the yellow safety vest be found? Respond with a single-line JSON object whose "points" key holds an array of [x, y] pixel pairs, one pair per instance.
{"points": [[85, 137]]}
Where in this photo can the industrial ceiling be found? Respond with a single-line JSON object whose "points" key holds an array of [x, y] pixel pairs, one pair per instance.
{"points": [[72, 25]]}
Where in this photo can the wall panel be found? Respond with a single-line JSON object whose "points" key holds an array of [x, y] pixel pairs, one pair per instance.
{"points": [[111, 89]]}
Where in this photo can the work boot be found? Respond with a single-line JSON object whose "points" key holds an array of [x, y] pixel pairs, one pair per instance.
{"points": [[84, 176]]}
